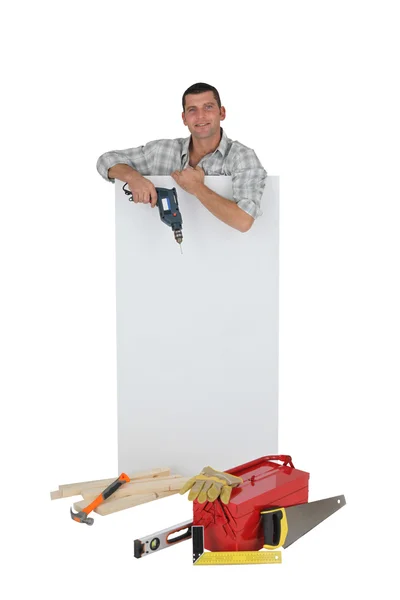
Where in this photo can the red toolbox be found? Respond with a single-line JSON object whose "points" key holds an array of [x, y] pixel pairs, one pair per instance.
{"points": [[266, 484]]}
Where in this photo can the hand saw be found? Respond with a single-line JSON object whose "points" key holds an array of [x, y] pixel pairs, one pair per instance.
{"points": [[284, 526]]}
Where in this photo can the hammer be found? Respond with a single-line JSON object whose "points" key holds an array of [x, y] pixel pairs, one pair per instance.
{"points": [[82, 516]]}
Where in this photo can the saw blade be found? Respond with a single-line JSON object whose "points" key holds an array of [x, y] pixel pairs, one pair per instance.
{"points": [[284, 526], [304, 517]]}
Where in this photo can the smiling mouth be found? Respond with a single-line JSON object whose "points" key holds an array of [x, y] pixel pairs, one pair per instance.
{"points": [[202, 125]]}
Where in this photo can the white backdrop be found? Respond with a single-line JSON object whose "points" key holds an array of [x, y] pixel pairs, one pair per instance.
{"points": [[197, 335], [310, 86]]}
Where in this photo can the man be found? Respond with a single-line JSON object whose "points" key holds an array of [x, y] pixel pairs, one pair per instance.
{"points": [[208, 151]]}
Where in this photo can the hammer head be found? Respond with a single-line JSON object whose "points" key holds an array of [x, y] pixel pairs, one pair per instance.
{"points": [[81, 517]]}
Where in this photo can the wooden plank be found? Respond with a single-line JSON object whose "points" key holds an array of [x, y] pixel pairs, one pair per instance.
{"points": [[139, 499], [74, 489], [148, 486], [111, 506]]}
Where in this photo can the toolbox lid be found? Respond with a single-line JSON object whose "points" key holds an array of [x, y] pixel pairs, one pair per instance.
{"points": [[265, 481]]}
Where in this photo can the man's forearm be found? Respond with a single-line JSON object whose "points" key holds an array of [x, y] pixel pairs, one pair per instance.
{"points": [[226, 210], [122, 172]]}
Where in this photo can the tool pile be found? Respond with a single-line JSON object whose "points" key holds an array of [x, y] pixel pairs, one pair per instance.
{"points": [[140, 488], [240, 516], [244, 515]]}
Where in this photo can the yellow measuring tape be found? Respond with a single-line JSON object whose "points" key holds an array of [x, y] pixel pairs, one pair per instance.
{"points": [[240, 558]]}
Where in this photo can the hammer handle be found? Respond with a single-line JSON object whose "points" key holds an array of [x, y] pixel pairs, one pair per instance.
{"points": [[123, 478]]}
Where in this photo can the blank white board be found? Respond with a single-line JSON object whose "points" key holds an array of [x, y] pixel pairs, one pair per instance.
{"points": [[197, 334]]}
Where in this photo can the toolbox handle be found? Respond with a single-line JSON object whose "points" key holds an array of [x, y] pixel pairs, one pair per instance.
{"points": [[285, 458]]}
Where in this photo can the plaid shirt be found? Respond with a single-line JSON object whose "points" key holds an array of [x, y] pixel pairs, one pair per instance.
{"points": [[162, 157]]}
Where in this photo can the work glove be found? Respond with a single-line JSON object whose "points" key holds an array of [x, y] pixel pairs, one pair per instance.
{"points": [[209, 485]]}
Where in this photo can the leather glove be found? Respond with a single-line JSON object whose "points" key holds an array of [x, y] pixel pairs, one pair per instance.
{"points": [[211, 484]]}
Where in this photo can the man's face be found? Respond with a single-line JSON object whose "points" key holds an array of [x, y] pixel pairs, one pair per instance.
{"points": [[202, 115]]}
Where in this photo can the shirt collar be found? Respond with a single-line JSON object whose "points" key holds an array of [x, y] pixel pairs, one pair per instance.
{"points": [[223, 145]]}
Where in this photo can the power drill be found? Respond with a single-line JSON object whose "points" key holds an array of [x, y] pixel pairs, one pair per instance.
{"points": [[167, 202]]}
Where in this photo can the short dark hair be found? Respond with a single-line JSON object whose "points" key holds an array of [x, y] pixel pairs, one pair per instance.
{"points": [[200, 88]]}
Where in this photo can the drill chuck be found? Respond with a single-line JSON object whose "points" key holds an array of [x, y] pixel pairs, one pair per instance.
{"points": [[178, 236]]}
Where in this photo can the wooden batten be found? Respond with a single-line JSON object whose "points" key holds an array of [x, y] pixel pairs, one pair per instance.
{"points": [[75, 489], [170, 484], [112, 506]]}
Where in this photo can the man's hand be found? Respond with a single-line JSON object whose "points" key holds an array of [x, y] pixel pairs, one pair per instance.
{"points": [[189, 179], [192, 181], [142, 189]]}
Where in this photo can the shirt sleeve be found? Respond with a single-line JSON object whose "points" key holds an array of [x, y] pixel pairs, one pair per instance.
{"points": [[248, 182], [140, 159]]}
